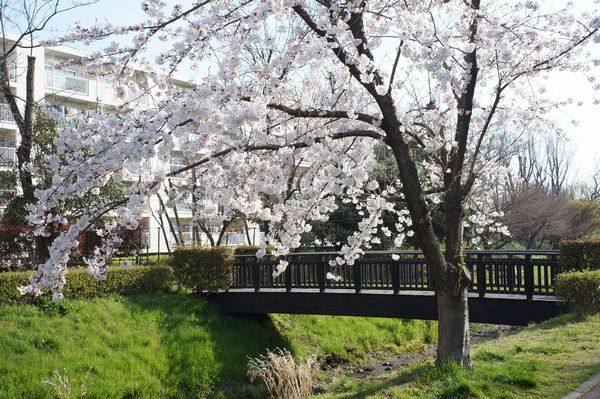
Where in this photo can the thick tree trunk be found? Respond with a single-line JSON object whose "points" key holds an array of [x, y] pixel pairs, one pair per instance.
{"points": [[453, 328], [448, 272]]}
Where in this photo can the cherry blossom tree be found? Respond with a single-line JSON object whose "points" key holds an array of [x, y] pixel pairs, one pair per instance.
{"points": [[432, 80]]}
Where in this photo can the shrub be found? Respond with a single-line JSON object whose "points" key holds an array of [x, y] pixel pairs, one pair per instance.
{"points": [[580, 290], [136, 279], [9, 281], [579, 255], [246, 250], [251, 249], [203, 269], [283, 377]]}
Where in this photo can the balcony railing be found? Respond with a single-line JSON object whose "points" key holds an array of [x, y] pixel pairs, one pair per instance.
{"points": [[60, 80], [7, 142], [8, 156], [5, 114]]}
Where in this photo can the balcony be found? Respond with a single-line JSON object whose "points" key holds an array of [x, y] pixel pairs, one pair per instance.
{"points": [[66, 80], [5, 114], [8, 156]]}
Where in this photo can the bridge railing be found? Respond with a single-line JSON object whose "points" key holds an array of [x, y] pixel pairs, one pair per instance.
{"points": [[496, 272]]}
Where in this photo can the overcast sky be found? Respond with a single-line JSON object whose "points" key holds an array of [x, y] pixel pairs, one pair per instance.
{"points": [[585, 136]]}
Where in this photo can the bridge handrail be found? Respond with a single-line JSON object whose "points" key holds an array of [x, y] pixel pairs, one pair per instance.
{"points": [[418, 252], [494, 271]]}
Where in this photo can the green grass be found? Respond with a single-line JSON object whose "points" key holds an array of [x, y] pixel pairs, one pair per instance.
{"points": [[354, 339], [544, 361], [169, 345]]}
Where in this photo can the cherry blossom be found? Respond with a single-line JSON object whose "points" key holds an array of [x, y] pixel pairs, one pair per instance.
{"points": [[295, 98]]}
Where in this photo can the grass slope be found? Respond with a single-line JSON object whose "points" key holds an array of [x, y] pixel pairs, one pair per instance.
{"points": [[169, 346], [544, 361]]}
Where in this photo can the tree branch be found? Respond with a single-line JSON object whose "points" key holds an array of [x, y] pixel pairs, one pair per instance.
{"points": [[275, 147]]}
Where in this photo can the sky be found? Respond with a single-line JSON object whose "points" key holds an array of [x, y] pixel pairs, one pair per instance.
{"points": [[585, 136]]}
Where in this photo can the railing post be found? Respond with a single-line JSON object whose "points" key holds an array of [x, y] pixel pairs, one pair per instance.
{"points": [[256, 274], [158, 249], [528, 277], [481, 277], [288, 277], [396, 276], [554, 267], [357, 277], [321, 274]]}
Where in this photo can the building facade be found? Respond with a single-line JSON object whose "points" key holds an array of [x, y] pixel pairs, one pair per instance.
{"points": [[71, 91]]}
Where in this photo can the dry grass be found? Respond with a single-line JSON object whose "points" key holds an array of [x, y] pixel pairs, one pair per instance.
{"points": [[61, 384], [283, 377]]}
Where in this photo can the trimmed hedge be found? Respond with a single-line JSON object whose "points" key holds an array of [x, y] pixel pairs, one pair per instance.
{"points": [[203, 269], [580, 290], [579, 255], [246, 250], [80, 285]]}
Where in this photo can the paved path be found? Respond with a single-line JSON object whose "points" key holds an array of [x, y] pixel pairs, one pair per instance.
{"points": [[594, 393], [588, 390]]}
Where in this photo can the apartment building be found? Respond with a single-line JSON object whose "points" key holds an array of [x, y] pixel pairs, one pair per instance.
{"points": [[71, 91]]}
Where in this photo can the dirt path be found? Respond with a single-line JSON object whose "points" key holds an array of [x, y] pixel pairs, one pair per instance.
{"points": [[381, 368]]}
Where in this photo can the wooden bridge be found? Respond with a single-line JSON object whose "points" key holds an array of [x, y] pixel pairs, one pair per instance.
{"points": [[508, 287]]}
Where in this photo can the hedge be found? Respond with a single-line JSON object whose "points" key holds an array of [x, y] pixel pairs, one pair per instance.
{"points": [[579, 255], [203, 269], [580, 290], [136, 279]]}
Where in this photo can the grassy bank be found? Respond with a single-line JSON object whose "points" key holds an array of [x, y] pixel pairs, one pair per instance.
{"points": [[167, 345], [544, 361]]}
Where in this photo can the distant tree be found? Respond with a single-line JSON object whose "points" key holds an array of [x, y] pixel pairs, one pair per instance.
{"points": [[584, 218], [534, 215], [592, 190]]}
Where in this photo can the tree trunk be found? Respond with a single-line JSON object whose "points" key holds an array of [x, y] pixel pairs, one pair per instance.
{"points": [[25, 125], [453, 328], [446, 267], [208, 233], [247, 230], [179, 240], [171, 227]]}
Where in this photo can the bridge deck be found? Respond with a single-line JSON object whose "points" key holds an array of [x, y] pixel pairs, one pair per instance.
{"points": [[511, 309], [387, 292]]}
